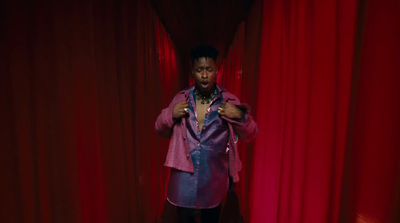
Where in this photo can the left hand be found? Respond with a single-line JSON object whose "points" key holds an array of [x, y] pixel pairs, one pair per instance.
{"points": [[230, 111]]}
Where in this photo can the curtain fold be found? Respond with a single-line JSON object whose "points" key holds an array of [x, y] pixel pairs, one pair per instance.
{"points": [[327, 109], [82, 84], [302, 110], [371, 188]]}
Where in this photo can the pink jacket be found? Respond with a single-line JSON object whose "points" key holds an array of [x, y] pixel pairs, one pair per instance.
{"points": [[178, 153]]}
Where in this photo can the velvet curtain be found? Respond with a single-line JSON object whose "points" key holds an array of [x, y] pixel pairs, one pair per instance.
{"points": [[327, 109], [371, 187], [81, 85], [305, 74]]}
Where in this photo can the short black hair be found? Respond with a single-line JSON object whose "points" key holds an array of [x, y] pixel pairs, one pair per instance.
{"points": [[204, 51]]}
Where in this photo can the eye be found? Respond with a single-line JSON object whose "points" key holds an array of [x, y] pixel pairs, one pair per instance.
{"points": [[210, 69]]}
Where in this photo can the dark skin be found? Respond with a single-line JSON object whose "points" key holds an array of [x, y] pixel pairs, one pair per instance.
{"points": [[205, 74]]}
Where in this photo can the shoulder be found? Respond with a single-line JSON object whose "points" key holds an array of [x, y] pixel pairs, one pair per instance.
{"points": [[183, 94], [228, 96]]}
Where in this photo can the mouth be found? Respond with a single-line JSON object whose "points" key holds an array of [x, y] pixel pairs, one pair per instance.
{"points": [[204, 84]]}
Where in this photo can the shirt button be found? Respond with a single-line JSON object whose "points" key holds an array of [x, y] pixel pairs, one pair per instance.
{"points": [[184, 138], [187, 155]]}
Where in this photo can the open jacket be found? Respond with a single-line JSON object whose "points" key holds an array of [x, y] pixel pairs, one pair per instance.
{"points": [[178, 155]]}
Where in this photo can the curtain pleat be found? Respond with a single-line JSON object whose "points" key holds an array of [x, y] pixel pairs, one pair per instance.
{"points": [[83, 84]]}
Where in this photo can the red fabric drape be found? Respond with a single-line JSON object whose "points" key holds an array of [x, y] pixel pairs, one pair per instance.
{"points": [[327, 110], [230, 71], [82, 84], [371, 189]]}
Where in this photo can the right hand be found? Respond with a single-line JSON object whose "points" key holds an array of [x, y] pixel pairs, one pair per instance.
{"points": [[179, 109]]}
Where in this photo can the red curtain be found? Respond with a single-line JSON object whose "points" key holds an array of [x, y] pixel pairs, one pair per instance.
{"points": [[328, 112], [371, 189], [82, 84], [302, 110]]}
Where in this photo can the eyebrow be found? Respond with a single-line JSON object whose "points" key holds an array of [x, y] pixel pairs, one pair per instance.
{"points": [[201, 65], [204, 66]]}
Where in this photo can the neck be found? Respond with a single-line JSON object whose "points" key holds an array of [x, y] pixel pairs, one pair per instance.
{"points": [[205, 98], [204, 94]]}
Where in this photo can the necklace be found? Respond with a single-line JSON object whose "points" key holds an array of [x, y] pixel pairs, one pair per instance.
{"points": [[203, 99]]}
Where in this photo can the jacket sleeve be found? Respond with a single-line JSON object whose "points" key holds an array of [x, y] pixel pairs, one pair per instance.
{"points": [[165, 122], [246, 128]]}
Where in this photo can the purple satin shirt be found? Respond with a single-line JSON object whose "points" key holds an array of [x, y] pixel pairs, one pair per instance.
{"points": [[207, 186]]}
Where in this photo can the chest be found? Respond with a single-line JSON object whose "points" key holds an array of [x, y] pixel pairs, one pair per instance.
{"points": [[201, 110]]}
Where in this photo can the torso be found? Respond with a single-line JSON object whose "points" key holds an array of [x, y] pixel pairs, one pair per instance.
{"points": [[201, 110], [208, 184]]}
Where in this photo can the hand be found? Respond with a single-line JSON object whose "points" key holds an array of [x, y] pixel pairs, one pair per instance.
{"points": [[230, 111], [180, 109]]}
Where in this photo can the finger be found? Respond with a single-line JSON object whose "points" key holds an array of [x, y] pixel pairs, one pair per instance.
{"points": [[221, 110], [183, 103]]}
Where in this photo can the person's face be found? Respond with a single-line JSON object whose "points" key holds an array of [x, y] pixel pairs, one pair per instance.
{"points": [[205, 73]]}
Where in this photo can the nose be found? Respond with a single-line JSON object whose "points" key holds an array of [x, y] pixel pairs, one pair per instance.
{"points": [[204, 74]]}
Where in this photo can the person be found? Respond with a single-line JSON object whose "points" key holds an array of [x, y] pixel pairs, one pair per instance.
{"points": [[204, 122]]}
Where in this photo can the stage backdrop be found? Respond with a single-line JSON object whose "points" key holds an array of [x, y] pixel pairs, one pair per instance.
{"points": [[328, 110], [82, 83], [327, 104]]}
